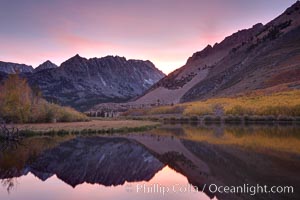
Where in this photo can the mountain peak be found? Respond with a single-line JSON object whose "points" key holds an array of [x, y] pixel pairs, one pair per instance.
{"points": [[77, 56], [48, 61], [45, 65], [74, 61]]}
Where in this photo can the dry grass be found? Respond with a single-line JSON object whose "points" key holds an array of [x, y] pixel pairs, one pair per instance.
{"points": [[283, 103], [167, 110], [79, 126], [155, 110], [256, 103], [21, 104], [47, 112]]}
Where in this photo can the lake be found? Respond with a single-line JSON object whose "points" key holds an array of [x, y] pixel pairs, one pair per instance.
{"points": [[171, 162]]}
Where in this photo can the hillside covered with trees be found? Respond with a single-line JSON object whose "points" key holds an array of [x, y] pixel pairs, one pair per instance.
{"points": [[21, 104]]}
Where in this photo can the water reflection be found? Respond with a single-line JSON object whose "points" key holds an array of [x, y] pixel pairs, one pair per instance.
{"points": [[29, 187], [231, 155], [106, 161]]}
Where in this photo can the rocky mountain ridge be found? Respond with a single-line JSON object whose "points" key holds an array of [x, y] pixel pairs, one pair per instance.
{"points": [[250, 59], [82, 83], [12, 68]]}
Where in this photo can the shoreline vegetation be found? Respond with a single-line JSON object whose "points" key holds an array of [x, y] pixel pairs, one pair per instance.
{"points": [[84, 128], [281, 107], [20, 103], [35, 116], [24, 113]]}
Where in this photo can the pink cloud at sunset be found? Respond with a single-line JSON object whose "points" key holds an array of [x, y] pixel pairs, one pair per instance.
{"points": [[165, 32]]}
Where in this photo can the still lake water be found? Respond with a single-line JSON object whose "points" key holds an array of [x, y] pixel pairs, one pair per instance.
{"points": [[172, 162]]}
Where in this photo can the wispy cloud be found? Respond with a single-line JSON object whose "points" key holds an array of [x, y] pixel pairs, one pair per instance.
{"points": [[165, 32]]}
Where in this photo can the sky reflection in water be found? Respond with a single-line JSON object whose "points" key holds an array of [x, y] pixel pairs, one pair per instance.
{"points": [[30, 187]]}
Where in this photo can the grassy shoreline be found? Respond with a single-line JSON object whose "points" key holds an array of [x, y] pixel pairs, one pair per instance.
{"points": [[247, 108], [83, 128]]}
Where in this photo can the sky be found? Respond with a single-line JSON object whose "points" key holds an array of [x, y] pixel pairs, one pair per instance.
{"points": [[165, 32]]}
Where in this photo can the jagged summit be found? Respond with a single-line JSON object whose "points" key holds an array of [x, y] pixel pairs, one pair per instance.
{"points": [[44, 66], [81, 83], [75, 59]]}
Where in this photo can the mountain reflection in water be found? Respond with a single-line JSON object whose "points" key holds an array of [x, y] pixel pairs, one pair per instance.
{"points": [[113, 166]]}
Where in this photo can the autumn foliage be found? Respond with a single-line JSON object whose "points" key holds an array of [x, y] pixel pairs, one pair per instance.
{"points": [[19, 103], [284, 103]]}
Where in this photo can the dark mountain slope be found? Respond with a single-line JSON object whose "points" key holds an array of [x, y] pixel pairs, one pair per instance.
{"points": [[82, 83], [256, 58]]}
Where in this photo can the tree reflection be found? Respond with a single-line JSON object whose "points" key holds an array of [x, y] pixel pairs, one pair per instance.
{"points": [[9, 183]]}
